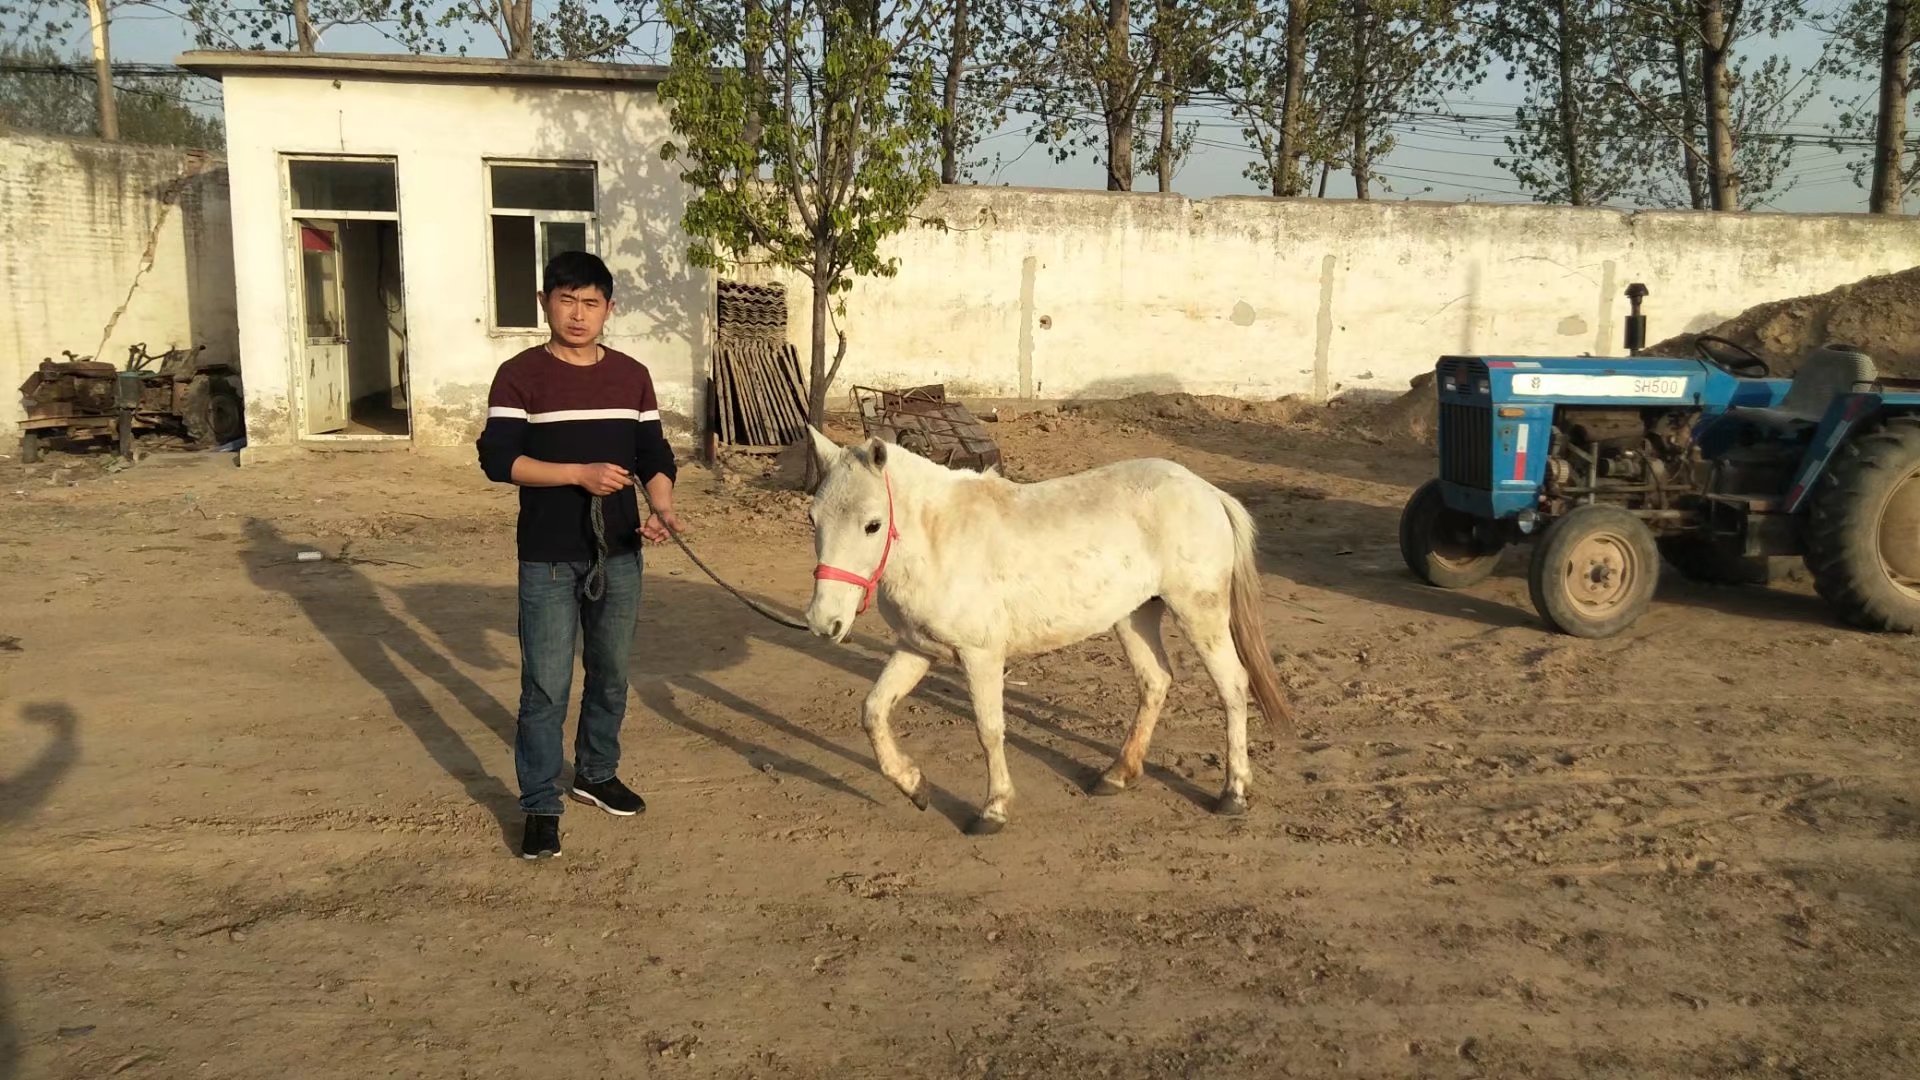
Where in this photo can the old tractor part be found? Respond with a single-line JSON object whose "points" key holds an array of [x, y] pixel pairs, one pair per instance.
{"points": [[922, 420]]}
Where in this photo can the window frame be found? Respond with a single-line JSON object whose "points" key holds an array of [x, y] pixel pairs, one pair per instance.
{"points": [[589, 218]]}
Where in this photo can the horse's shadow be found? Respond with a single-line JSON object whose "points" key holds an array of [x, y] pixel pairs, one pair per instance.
{"points": [[689, 631]]}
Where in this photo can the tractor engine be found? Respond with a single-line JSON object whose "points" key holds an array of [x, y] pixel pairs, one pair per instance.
{"points": [[1638, 458]]}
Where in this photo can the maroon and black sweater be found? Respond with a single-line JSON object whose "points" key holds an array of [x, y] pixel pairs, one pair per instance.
{"points": [[549, 410]]}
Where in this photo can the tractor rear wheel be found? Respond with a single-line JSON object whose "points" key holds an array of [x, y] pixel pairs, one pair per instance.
{"points": [[1438, 542], [1594, 571], [1863, 529]]}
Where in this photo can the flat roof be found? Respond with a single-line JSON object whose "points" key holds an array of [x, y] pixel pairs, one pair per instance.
{"points": [[217, 64]]}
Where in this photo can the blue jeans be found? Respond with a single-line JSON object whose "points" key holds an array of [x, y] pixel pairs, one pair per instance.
{"points": [[552, 612]]}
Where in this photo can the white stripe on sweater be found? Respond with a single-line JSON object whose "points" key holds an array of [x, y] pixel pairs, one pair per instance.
{"points": [[564, 415]]}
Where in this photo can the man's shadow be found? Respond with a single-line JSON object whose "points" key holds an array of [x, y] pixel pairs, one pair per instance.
{"points": [[346, 607], [21, 793]]}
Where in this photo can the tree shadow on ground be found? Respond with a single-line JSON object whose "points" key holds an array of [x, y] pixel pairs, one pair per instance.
{"points": [[346, 607], [22, 792]]}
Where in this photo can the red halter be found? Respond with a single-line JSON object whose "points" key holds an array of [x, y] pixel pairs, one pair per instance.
{"points": [[823, 572]]}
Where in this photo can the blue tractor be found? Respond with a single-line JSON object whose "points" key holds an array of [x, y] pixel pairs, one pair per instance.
{"points": [[1610, 466]]}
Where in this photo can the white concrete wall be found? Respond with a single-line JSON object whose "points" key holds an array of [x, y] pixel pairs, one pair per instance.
{"points": [[1057, 294], [441, 133], [76, 217]]}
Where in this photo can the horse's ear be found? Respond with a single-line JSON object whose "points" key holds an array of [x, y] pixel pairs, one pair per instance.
{"points": [[825, 450], [877, 453]]}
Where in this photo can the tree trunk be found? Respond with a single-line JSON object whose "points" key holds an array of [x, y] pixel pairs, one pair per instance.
{"points": [[303, 27], [1362, 164], [1164, 164], [1890, 133], [519, 15], [1723, 182], [103, 71], [956, 70], [1689, 119], [1569, 121], [1166, 32], [817, 355], [1119, 100], [1287, 179], [756, 71]]}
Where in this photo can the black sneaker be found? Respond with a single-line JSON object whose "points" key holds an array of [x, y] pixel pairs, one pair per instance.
{"points": [[610, 795], [541, 837]]}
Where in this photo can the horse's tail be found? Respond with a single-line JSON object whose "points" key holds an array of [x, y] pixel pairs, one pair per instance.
{"points": [[1249, 630]]}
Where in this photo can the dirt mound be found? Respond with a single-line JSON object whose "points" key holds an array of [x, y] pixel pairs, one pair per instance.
{"points": [[1878, 314], [1414, 414], [1190, 408]]}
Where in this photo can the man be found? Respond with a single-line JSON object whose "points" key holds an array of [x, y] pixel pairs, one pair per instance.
{"points": [[568, 422]]}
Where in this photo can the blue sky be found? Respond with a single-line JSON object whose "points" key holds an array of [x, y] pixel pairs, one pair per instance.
{"points": [[1436, 159]]}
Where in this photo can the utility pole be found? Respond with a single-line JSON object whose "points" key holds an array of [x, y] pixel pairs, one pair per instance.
{"points": [[103, 71]]}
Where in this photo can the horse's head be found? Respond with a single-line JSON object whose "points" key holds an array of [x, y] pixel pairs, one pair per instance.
{"points": [[853, 531]]}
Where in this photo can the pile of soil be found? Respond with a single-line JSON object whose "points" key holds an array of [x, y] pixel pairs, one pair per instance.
{"points": [[1414, 414], [1147, 408], [1878, 314]]}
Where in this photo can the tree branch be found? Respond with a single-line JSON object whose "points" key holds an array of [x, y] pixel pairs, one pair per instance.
{"points": [[1654, 114]]}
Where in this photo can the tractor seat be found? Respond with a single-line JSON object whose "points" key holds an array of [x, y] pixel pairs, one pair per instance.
{"points": [[1826, 373]]}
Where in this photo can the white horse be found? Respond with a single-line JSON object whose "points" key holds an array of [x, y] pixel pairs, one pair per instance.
{"points": [[976, 568]]}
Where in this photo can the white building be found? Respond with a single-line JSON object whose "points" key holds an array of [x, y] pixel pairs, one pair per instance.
{"points": [[391, 216]]}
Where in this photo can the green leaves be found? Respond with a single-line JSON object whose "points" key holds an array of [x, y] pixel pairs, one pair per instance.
{"points": [[810, 163]]}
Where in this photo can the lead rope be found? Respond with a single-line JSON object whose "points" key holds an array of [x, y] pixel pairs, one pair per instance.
{"points": [[598, 571], [595, 586]]}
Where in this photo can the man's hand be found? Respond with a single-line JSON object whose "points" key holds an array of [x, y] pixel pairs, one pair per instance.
{"points": [[659, 528], [602, 479]]}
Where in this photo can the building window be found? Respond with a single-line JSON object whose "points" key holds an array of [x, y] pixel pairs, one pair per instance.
{"points": [[537, 211], [336, 184]]}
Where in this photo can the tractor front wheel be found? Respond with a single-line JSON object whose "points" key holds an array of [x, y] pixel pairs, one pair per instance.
{"points": [[1438, 542], [1594, 571], [1863, 530]]}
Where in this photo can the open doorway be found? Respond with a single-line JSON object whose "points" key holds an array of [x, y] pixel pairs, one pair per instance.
{"points": [[353, 328]]}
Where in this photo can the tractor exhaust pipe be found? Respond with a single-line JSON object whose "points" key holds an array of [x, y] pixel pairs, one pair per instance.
{"points": [[1636, 322]]}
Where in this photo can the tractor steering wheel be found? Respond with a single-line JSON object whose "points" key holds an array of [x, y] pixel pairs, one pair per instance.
{"points": [[1742, 361]]}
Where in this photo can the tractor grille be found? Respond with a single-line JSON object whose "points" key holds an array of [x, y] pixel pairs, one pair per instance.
{"points": [[1462, 372], [1466, 445]]}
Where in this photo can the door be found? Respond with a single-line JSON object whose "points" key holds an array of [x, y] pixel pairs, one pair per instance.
{"points": [[323, 299]]}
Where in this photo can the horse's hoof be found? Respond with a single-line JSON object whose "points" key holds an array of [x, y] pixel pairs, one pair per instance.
{"points": [[919, 796], [985, 826], [1230, 805], [1106, 785]]}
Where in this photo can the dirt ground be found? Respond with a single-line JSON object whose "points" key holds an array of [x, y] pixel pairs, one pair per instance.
{"points": [[256, 814]]}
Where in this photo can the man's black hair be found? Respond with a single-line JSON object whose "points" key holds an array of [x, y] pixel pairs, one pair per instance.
{"points": [[577, 270]]}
